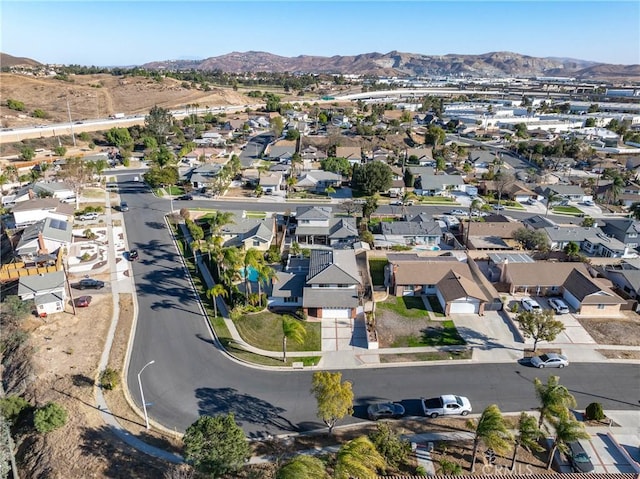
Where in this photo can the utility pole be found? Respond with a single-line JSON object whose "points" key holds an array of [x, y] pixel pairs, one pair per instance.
{"points": [[66, 278]]}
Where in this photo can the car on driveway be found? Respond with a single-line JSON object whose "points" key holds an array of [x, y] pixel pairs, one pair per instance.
{"points": [[498, 207], [456, 212], [578, 458], [530, 304], [89, 283], [83, 301], [559, 306], [88, 217], [549, 360], [133, 255], [385, 410]]}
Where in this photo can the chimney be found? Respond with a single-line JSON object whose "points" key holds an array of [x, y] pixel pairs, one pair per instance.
{"points": [[42, 247], [31, 194]]}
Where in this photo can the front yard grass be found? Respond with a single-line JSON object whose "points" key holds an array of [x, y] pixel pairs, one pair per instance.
{"points": [[436, 307], [567, 210], [264, 330], [442, 333], [376, 268], [407, 306], [429, 356]]}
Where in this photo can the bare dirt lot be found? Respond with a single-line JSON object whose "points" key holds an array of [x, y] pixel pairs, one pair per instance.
{"points": [[98, 96], [621, 331]]}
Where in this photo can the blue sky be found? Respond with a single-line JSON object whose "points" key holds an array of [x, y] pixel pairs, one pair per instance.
{"points": [[128, 33]]}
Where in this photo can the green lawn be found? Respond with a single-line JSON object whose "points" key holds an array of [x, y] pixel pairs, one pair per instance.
{"points": [[430, 356], [437, 333], [264, 331], [436, 200], [407, 306], [256, 214], [376, 267], [567, 210]]}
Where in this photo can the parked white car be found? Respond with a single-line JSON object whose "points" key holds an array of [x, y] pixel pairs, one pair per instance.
{"points": [[559, 306], [530, 304]]}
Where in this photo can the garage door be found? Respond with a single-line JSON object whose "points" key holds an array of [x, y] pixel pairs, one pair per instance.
{"points": [[344, 313], [466, 307]]}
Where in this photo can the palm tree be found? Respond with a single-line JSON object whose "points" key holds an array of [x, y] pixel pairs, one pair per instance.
{"points": [[527, 437], [195, 247], [44, 167], [358, 458], [296, 163], [551, 197], [308, 467], [218, 220], [213, 293], [232, 259], [265, 274], [294, 330], [215, 247], [634, 210], [567, 430], [252, 259], [4, 179], [555, 399], [491, 430]]}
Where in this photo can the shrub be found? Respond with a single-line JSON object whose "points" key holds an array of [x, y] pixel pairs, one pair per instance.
{"points": [[85, 257], [421, 471], [449, 468], [109, 379], [515, 307], [49, 418], [594, 412], [12, 406], [389, 445]]}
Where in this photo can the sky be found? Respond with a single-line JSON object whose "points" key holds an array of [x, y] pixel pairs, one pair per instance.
{"points": [[124, 33]]}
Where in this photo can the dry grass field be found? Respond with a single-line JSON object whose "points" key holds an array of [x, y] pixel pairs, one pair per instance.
{"points": [[98, 96]]}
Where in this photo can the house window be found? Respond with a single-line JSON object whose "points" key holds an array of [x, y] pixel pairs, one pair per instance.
{"points": [[292, 299], [632, 235], [408, 287], [601, 306], [256, 242]]}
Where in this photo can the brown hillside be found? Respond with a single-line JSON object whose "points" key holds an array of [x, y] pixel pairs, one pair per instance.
{"points": [[7, 60], [98, 96]]}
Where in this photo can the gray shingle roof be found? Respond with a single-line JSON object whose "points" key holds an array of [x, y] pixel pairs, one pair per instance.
{"points": [[288, 285], [41, 283], [411, 228], [589, 291], [571, 233], [455, 286], [334, 298], [313, 212], [333, 267], [53, 229]]}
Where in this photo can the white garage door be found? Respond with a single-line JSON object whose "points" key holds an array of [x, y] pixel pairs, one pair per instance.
{"points": [[466, 307], [336, 313]]}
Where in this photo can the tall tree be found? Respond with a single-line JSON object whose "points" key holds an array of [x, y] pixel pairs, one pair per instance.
{"points": [[252, 259], [502, 181], [634, 210], [307, 467], [539, 325], [551, 198], [216, 445], [567, 430], [334, 397], [266, 274], [294, 330], [492, 431], [527, 436], [76, 173], [213, 293], [358, 458], [372, 178], [217, 220], [555, 399], [370, 206], [158, 123]]}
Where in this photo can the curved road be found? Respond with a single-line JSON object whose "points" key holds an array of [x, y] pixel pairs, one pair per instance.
{"points": [[191, 376]]}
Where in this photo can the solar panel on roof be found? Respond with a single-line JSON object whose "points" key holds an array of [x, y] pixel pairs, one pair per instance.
{"points": [[58, 224]]}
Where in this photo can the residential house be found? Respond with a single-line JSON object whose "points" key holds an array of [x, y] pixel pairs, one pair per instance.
{"points": [[515, 191], [599, 244], [419, 232], [492, 234], [630, 194], [421, 156], [203, 176], [625, 276], [272, 184], [590, 296], [282, 151], [625, 230], [318, 181], [315, 225], [341, 121], [397, 183], [481, 159], [249, 233], [541, 278], [333, 286], [445, 277], [59, 190], [437, 185], [37, 209], [312, 154], [288, 286], [352, 153], [538, 222], [560, 236], [568, 192], [48, 291], [43, 238]]}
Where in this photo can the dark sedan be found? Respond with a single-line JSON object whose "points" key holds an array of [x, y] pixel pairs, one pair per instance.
{"points": [[386, 410], [185, 197], [133, 255], [89, 283], [579, 459]]}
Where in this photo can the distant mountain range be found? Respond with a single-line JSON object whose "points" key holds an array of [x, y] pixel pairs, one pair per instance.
{"points": [[494, 64], [395, 64]]}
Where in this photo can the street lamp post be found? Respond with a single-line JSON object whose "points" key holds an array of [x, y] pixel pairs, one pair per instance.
{"points": [[144, 404]]}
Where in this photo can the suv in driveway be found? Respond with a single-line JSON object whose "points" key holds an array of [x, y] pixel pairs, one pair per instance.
{"points": [[88, 216], [530, 304], [559, 306]]}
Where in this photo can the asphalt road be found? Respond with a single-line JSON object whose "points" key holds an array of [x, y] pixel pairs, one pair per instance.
{"points": [[191, 376]]}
